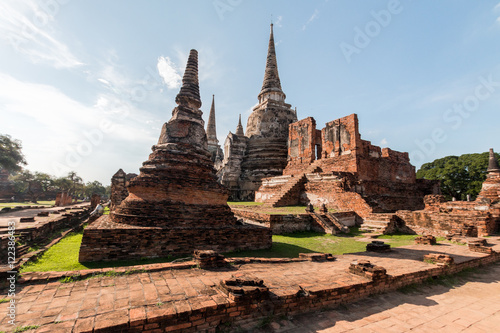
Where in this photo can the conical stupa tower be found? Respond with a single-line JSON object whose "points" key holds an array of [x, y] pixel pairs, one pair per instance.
{"points": [[239, 128], [491, 186], [175, 204], [267, 130], [213, 143]]}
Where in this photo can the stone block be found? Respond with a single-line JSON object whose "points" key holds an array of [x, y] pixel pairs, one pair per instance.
{"points": [[366, 269], [378, 246]]}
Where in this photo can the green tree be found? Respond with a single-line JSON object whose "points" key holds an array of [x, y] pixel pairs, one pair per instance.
{"points": [[459, 175], [11, 156], [94, 187], [32, 185]]}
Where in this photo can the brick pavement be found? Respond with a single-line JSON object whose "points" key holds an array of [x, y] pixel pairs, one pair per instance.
{"points": [[473, 305], [186, 296]]}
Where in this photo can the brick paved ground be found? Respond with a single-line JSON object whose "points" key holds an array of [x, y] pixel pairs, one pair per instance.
{"points": [[122, 300], [473, 305]]}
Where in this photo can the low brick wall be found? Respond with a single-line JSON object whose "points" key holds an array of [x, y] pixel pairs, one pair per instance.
{"points": [[279, 224], [207, 316], [106, 240]]}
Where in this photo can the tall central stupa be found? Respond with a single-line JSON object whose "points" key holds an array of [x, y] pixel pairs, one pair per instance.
{"points": [[175, 205]]}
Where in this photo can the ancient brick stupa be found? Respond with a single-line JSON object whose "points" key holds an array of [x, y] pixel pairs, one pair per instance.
{"points": [[175, 205], [491, 186]]}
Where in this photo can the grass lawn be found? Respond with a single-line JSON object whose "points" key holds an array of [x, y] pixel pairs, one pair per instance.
{"points": [[26, 203], [64, 255]]}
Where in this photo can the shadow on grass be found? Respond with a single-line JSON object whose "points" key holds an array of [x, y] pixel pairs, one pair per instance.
{"points": [[278, 250]]}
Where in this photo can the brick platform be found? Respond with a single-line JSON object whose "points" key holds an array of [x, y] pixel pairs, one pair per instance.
{"points": [[189, 300]]}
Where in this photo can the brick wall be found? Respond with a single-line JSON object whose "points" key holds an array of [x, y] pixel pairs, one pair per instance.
{"points": [[106, 240]]}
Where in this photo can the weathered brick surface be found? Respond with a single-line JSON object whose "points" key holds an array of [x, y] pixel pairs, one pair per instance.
{"points": [[349, 173], [107, 240], [476, 218]]}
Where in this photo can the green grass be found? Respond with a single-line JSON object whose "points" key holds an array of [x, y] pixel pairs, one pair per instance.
{"points": [[290, 245], [27, 203], [4, 300], [396, 240], [63, 256], [25, 328]]}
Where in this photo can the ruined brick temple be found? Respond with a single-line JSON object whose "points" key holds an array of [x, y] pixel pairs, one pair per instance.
{"points": [[335, 167], [460, 218], [262, 150], [175, 205]]}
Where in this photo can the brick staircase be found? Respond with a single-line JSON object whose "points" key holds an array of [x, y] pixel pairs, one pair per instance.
{"points": [[289, 193], [380, 223], [323, 222], [335, 221]]}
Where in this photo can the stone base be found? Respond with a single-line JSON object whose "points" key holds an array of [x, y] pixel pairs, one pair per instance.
{"points": [[105, 240]]}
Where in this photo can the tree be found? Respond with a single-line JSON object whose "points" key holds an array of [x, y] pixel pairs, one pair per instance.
{"points": [[11, 157], [94, 187], [459, 175], [32, 184]]}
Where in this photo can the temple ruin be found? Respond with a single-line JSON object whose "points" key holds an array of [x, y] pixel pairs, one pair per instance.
{"points": [[262, 151], [175, 205], [335, 167], [461, 218], [119, 183]]}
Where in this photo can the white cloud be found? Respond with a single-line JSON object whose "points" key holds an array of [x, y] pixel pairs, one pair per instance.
{"points": [[29, 28], [169, 73], [279, 19], [59, 133], [313, 17], [384, 142]]}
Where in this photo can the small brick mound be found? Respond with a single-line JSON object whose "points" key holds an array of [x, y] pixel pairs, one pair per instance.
{"points": [[244, 287], [206, 259], [27, 219], [478, 247], [440, 259], [366, 269], [426, 240], [478, 241], [43, 214], [378, 246], [317, 256]]}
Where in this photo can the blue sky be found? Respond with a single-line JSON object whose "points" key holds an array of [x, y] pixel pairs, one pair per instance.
{"points": [[87, 85]]}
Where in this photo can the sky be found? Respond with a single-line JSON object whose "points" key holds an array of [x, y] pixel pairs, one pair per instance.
{"points": [[87, 85]]}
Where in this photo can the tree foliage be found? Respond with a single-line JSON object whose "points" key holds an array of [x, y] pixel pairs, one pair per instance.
{"points": [[11, 156], [459, 175]]}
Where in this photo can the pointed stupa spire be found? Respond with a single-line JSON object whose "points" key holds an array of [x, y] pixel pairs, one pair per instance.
{"points": [[239, 128], [211, 130], [493, 164], [189, 95], [271, 77]]}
